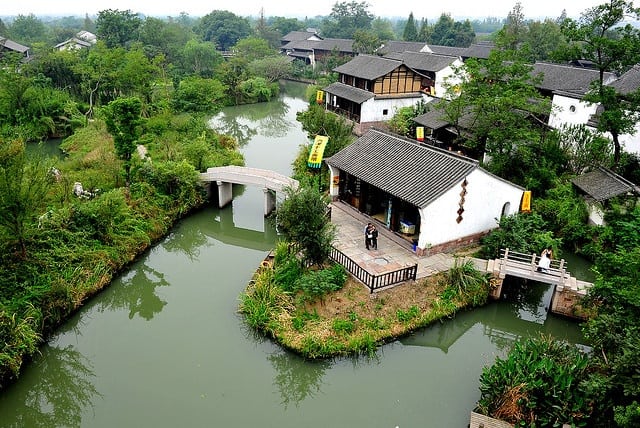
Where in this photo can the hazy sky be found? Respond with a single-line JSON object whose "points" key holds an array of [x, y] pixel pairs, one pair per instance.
{"points": [[301, 8]]}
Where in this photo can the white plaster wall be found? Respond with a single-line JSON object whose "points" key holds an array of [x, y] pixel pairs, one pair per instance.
{"points": [[485, 198], [561, 111], [372, 109], [446, 75], [631, 142], [596, 213], [334, 187], [562, 114]]}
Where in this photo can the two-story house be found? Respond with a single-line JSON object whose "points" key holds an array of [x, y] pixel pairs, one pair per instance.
{"points": [[370, 88]]}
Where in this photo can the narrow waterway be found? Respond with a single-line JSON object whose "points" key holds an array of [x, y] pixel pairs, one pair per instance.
{"points": [[164, 345]]}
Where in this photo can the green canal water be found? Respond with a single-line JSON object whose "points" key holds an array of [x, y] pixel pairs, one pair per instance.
{"points": [[164, 346]]}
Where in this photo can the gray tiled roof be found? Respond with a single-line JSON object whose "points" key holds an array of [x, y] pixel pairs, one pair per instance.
{"points": [[368, 67], [479, 50], [350, 93], [435, 118], [447, 50], [565, 78], [298, 35], [399, 46], [342, 45], [628, 82], [602, 184], [422, 61], [14, 46], [416, 173]]}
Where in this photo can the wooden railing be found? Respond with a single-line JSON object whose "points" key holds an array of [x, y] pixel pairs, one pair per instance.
{"points": [[373, 282]]}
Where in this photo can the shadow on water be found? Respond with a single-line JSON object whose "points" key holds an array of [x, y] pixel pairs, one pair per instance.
{"points": [[137, 293], [63, 388], [520, 313], [296, 378]]}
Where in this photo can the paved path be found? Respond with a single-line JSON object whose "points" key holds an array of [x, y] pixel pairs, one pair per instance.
{"points": [[392, 253]]}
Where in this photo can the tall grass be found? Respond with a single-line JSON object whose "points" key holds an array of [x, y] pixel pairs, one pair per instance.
{"points": [[264, 301]]}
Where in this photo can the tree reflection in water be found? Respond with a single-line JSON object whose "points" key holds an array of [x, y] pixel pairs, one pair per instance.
{"points": [[64, 387], [297, 379], [240, 121], [137, 293]]}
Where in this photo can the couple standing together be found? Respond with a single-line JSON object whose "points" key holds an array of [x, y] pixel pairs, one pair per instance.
{"points": [[370, 236]]}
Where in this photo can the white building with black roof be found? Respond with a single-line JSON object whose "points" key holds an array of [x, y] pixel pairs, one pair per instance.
{"points": [[435, 199]]}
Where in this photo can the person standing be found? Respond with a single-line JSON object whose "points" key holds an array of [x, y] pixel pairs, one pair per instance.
{"points": [[374, 237], [367, 235]]}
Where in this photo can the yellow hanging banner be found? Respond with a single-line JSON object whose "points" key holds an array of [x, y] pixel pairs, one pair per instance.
{"points": [[317, 151], [319, 96], [420, 133], [526, 202]]}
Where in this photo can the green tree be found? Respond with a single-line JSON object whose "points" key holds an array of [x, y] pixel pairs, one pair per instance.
{"points": [[24, 184], [426, 31], [223, 28], [410, 33], [514, 31], [463, 34], [383, 29], [302, 220], [272, 68], [544, 40], [365, 42], [197, 94], [200, 58], [28, 29], [346, 18], [504, 108], [614, 332], [252, 48], [117, 27], [442, 29], [604, 35], [285, 25], [123, 120]]}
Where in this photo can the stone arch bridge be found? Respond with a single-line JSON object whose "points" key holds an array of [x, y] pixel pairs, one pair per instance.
{"points": [[224, 177]]}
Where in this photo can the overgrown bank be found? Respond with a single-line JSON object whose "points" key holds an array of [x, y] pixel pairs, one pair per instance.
{"points": [[54, 261], [321, 313]]}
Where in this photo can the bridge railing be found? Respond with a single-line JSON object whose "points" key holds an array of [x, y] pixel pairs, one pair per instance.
{"points": [[373, 282], [557, 268]]}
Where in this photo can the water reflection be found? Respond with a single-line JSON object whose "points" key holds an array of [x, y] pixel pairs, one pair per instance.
{"points": [[62, 392], [246, 121], [137, 293], [503, 322], [297, 379], [221, 227]]}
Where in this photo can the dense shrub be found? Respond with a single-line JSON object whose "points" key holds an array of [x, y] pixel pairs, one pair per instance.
{"points": [[537, 384]]}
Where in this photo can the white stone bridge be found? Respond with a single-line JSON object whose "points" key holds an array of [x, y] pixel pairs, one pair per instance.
{"points": [[224, 177]]}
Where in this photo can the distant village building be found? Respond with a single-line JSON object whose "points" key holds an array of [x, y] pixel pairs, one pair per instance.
{"points": [[82, 40], [7, 45]]}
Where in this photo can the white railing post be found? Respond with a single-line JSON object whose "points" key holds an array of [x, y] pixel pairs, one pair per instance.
{"points": [[562, 272], [533, 262]]}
